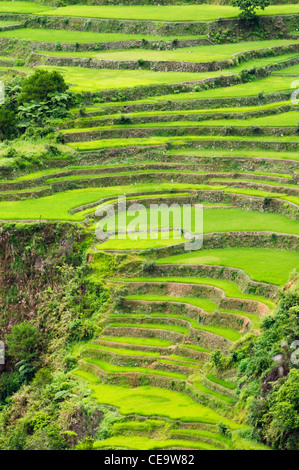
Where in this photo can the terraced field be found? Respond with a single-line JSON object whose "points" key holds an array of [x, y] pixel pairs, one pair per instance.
{"points": [[167, 119]]}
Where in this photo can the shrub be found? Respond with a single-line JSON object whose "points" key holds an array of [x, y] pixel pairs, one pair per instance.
{"points": [[216, 358], [40, 85], [248, 7], [8, 121], [23, 341]]}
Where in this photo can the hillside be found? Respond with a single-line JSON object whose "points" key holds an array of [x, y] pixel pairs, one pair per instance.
{"points": [[149, 210]]}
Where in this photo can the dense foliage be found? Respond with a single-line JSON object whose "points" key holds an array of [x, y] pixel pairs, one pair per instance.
{"points": [[46, 273], [248, 7], [34, 104], [270, 376]]}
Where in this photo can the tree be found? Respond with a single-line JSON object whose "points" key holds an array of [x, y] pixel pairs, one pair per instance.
{"points": [[282, 420], [40, 85], [8, 122], [23, 341], [248, 7], [216, 358]]}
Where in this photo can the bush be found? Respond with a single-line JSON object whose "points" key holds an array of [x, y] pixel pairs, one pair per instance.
{"points": [[8, 122], [216, 358], [23, 341], [40, 85], [248, 7]]}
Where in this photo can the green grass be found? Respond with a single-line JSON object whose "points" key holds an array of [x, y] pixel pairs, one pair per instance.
{"points": [[183, 359], [152, 141], [287, 119], [145, 171], [221, 382], [194, 433], [293, 70], [214, 220], [146, 443], [112, 368], [57, 207], [81, 37], [23, 7], [194, 348], [230, 288], [250, 179], [229, 333], [202, 388], [154, 342], [151, 401], [267, 85], [137, 241], [186, 112], [263, 194], [242, 152], [7, 23], [137, 171], [206, 304], [122, 351], [261, 264], [86, 376], [178, 363], [83, 79], [167, 13], [255, 319], [152, 326], [27, 190], [192, 54]]}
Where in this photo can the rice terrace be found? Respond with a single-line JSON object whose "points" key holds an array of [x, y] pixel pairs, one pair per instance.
{"points": [[149, 234]]}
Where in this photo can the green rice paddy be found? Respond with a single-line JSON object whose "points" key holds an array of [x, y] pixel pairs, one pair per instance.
{"points": [[151, 401], [167, 13], [188, 54], [261, 264], [149, 342]]}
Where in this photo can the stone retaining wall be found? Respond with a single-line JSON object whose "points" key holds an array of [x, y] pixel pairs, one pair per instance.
{"points": [[166, 66]]}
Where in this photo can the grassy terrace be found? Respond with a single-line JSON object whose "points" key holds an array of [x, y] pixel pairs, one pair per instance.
{"points": [[188, 54], [208, 153], [81, 37], [206, 304], [149, 326], [165, 13], [151, 401], [107, 367], [7, 23], [158, 331], [214, 220], [85, 79], [144, 443], [225, 332], [152, 141], [288, 119], [142, 241], [263, 265], [266, 85], [230, 288], [57, 207], [154, 342], [293, 70], [22, 7], [241, 109]]}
